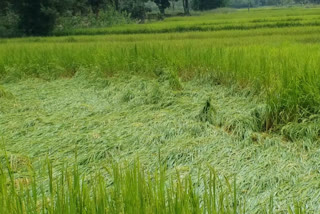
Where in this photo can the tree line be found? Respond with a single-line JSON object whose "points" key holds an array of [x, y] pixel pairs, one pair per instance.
{"points": [[38, 17], [257, 3]]}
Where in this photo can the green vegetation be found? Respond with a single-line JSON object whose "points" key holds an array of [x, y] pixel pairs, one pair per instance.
{"points": [[283, 69], [224, 19], [41, 17], [128, 190], [229, 90]]}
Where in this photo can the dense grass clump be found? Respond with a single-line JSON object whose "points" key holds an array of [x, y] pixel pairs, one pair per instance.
{"points": [[120, 189]]}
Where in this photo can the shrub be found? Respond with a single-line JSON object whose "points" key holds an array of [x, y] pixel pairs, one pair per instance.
{"points": [[105, 18], [37, 17], [9, 24]]}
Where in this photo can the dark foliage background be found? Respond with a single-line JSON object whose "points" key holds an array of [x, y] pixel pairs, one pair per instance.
{"points": [[41, 17]]}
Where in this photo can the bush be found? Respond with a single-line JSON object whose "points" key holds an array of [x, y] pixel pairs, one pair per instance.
{"points": [[137, 10], [208, 4], [37, 17], [106, 18], [9, 25]]}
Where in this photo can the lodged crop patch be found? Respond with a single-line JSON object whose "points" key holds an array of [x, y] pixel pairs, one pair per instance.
{"points": [[237, 92]]}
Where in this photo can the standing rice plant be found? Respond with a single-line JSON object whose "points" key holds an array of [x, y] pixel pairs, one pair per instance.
{"points": [[126, 189]]}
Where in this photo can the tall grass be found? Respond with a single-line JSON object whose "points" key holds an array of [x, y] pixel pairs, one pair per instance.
{"points": [[285, 74], [120, 189]]}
